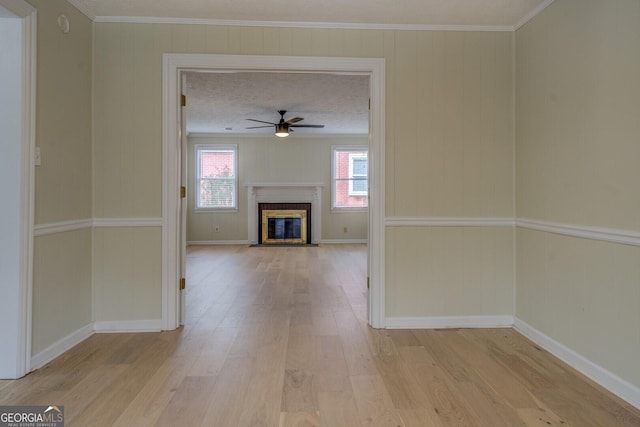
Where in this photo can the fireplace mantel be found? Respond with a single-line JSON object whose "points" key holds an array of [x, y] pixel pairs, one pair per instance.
{"points": [[285, 192]]}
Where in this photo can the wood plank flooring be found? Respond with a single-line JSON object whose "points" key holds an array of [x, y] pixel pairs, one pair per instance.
{"points": [[278, 337]]}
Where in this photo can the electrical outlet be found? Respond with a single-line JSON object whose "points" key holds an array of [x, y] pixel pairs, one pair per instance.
{"points": [[217, 229]]}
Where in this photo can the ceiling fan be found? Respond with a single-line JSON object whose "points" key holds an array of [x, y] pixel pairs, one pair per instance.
{"points": [[283, 126]]}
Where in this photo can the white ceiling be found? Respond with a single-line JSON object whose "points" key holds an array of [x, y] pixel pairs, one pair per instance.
{"points": [[220, 103]]}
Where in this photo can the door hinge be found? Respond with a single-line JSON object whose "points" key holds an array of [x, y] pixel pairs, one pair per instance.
{"points": [[367, 282], [183, 100], [183, 283], [369, 103], [183, 192]]}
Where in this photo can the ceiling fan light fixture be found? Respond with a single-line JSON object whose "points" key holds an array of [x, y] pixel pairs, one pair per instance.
{"points": [[282, 127], [282, 130]]}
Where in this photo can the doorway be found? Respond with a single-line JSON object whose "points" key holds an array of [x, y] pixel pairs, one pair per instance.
{"points": [[173, 64], [17, 121]]}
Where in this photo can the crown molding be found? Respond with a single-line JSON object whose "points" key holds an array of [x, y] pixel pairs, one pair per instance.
{"points": [[294, 24], [302, 24], [535, 12], [83, 9], [19, 8]]}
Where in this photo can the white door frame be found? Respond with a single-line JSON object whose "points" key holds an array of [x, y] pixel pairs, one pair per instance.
{"points": [[17, 286], [172, 65]]}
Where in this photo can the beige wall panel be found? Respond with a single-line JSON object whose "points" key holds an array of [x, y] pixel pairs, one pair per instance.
{"points": [[344, 225], [251, 41], [61, 286], [498, 121], [319, 43], [388, 46], [271, 159], [577, 156], [452, 125], [336, 42], [372, 44], [127, 273], [217, 39], [63, 114], [62, 262], [578, 91], [405, 119], [197, 38], [301, 42], [286, 41], [449, 271], [584, 294], [271, 41], [352, 42]]}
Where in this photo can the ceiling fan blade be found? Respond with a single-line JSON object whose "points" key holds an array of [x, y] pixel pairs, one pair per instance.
{"points": [[262, 121], [306, 126], [258, 127], [294, 120]]}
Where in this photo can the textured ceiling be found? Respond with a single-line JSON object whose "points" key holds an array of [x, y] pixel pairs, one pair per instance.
{"points": [[221, 103], [390, 12]]}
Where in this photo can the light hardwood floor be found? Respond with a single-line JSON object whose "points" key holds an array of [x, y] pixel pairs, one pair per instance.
{"points": [[278, 337]]}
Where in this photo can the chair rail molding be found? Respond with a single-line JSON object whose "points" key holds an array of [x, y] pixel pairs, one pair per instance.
{"points": [[613, 235]]}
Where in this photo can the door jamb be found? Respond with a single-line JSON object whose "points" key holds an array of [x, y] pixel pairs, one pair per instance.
{"points": [[28, 15], [172, 65]]}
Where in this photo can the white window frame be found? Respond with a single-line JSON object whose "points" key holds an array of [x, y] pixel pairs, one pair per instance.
{"points": [[334, 150], [199, 148], [353, 157]]}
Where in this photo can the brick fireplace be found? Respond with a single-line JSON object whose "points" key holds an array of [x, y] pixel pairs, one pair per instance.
{"points": [[287, 196]]}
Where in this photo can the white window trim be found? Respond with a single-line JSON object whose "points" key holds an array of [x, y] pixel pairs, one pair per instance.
{"points": [[215, 147], [334, 149]]}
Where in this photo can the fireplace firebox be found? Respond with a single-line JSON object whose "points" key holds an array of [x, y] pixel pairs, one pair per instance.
{"points": [[284, 223]]}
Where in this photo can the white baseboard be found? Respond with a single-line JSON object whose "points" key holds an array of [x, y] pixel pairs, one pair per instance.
{"points": [[60, 346], [443, 322], [76, 337], [148, 325], [343, 241], [606, 379], [217, 242]]}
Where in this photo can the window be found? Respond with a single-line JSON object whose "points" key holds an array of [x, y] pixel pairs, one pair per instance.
{"points": [[216, 177], [350, 177]]}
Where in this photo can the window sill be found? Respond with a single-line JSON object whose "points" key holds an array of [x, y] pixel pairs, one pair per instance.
{"points": [[215, 210], [349, 210]]}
